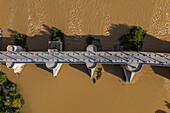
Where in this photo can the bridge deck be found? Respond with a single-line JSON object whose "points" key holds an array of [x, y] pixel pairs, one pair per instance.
{"points": [[84, 57]]}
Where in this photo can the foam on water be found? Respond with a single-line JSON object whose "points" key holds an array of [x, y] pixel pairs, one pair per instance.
{"points": [[107, 20], [166, 86], [167, 24], [35, 21], [11, 14], [160, 20], [75, 24], [30, 20]]}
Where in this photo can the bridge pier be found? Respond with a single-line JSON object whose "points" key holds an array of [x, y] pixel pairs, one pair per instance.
{"points": [[91, 68], [131, 61], [17, 67], [128, 74], [91, 65], [55, 67], [130, 69]]}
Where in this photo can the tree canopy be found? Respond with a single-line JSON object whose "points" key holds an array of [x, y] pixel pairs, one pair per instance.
{"points": [[19, 39], [10, 98], [56, 34], [133, 39]]}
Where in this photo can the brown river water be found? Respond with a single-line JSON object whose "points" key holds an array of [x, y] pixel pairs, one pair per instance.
{"points": [[73, 91]]}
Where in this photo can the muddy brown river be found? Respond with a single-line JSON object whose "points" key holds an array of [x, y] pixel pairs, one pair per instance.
{"points": [[73, 91]]}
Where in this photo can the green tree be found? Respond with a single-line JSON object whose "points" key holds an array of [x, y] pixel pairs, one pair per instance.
{"points": [[19, 39], [3, 78], [14, 100], [2, 100], [56, 34], [133, 39]]}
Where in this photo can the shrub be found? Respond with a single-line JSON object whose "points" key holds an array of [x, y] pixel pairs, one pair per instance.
{"points": [[99, 74], [56, 34], [3, 78], [2, 99], [19, 39]]}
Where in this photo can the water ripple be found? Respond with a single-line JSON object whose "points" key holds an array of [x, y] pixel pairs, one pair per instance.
{"points": [[160, 22]]}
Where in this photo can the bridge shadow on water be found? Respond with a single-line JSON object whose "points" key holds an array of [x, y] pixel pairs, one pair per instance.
{"points": [[80, 67], [78, 43], [43, 66], [114, 69], [161, 70], [152, 44]]}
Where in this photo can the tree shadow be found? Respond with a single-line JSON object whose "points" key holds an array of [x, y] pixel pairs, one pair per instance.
{"points": [[162, 70], [43, 66], [35, 43], [153, 44]]}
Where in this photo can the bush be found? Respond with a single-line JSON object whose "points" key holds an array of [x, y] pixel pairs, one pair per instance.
{"points": [[56, 34], [99, 74], [19, 39], [132, 39], [2, 99], [3, 78]]}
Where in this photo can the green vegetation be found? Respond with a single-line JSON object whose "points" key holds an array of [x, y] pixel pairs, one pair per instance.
{"points": [[99, 74], [56, 34], [2, 100], [132, 41], [55, 47], [89, 40], [20, 39], [10, 99]]}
